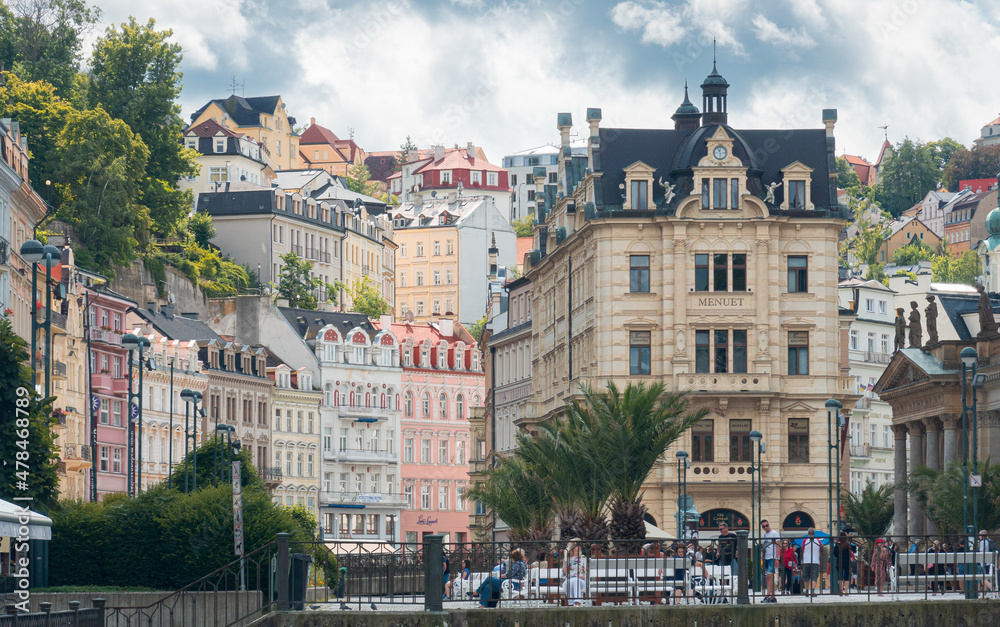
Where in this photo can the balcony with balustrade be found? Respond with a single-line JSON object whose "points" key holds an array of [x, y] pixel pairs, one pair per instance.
{"points": [[76, 457], [362, 499], [723, 382], [101, 382], [108, 336], [367, 456]]}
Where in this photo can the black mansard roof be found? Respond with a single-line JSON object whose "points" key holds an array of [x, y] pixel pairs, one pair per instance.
{"points": [[674, 152]]}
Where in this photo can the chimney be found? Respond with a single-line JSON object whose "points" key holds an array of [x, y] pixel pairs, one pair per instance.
{"points": [[193, 315], [438, 152], [594, 145], [151, 306], [446, 327], [385, 321], [312, 121], [564, 123], [167, 310], [470, 151], [493, 252]]}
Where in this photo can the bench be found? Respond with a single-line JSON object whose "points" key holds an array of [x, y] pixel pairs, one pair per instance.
{"points": [[656, 578], [609, 580], [716, 585], [969, 560], [545, 584]]}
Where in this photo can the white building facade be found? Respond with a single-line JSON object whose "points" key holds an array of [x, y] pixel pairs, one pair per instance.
{"points": [[521, 167], [295, 437]]}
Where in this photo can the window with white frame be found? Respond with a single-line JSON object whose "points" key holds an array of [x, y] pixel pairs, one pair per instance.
{"points": [[220, 144], [491, 178]]}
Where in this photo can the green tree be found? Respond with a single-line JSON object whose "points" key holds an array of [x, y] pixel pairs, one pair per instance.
{"points": [[524, 225], [846, 176], [872, 229], [366, 299], [42, 115], [517, 492], [41, 40], [357, 180], [942, 150], [405, 149], [212, 453], [870, 513], [913, 253], [644, 422], [940, 495], [964, 268], [980, 162], [876, 272], [201, 228], [136, 77], [26, 429], [909, 172], [476, 330], [101, 164], [296, 282]]}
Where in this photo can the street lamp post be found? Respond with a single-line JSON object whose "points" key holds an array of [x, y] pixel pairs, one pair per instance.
{"points": [[970, 359], [756, 450], [33, 252], [833, 407], [132, 342], [227, 431], [190, 397], [682, 466]]}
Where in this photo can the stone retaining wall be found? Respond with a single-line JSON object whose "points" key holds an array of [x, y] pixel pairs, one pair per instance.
{"points": [[983, 613]]}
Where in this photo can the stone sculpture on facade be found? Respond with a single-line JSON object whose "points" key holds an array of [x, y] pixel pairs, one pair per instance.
{"points": [[916, 332], [987, 321], [769, 198], [900, 329], [930, 315]]}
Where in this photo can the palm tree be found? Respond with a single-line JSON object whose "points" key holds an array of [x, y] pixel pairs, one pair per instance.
{"points": [[870, 514], [544, 451], [940, 494], [643, 424], [517, 493]]}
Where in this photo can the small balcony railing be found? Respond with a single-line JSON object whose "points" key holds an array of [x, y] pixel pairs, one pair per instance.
{"points": [[58, 370], [272, 474], [861, 450], [364, 455], [390, 499], [107, 336]]}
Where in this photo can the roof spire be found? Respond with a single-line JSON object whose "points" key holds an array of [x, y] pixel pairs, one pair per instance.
{"points": [[713, 51]]}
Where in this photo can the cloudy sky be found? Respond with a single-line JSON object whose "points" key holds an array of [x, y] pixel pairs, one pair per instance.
{"points": [[497, 73]]}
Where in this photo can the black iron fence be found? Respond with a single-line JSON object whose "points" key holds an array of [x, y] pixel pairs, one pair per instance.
{"points": [[74, 616]]}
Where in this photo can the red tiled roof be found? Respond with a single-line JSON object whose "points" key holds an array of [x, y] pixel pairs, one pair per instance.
{"points": [[855, 160], [996, 121], [210, 128], [524, 244], [317, 134], [456, 159]]}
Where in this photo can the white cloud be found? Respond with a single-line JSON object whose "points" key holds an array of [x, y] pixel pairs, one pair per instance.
{"points": [[659, 24], [770, 33]]}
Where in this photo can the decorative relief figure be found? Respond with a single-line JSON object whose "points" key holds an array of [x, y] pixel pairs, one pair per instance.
{"points": [[668, 191], [900, 329], [679, 343], [930, 315], [762, 341], [916, 332]]}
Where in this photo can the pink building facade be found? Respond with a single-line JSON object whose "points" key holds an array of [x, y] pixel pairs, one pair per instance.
{"points": [[442, 381], [109, 386]]}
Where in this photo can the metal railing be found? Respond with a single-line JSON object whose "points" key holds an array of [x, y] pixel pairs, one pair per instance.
{"points": [[272, 473], [45, 617], [392, 499], [4, 252]]}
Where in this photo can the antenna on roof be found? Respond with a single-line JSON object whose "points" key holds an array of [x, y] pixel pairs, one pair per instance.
{"points": [[233, 86], [713, 49]]}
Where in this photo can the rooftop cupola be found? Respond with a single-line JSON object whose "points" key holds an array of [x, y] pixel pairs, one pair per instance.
{"points": [[687, 115], [713, 97]]}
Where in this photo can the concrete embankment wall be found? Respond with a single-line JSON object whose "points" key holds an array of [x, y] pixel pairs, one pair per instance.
{"points": [[983, 613]]}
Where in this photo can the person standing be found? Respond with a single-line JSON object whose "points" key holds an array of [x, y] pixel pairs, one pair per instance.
{"points": [[789, 564], [811, 549], [771, 539], [844, 555], [727, 548], [880, 564]]}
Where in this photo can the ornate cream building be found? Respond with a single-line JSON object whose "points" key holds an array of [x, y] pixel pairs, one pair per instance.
{"points": [[703, 257]]}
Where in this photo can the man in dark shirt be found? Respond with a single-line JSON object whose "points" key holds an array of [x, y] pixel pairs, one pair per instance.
{"points": [[727, 547]]}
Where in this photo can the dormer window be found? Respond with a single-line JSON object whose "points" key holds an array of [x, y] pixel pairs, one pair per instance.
{"points": [[638, 183], [445, 177], [192, 143], [220, 144], [477, 177], [798, 181], [491, 178]]}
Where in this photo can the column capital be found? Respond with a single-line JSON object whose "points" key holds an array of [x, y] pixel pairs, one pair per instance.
{"points": [[916, 429], [950, 421], [932, 424], [899, 431], [989, 418]]}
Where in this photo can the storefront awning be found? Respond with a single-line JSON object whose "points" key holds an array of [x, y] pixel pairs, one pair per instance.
{"points": [[12, 518]]}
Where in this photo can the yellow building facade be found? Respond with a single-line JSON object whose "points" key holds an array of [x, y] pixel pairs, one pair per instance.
{"points": [[704, 258], [263, 119]]}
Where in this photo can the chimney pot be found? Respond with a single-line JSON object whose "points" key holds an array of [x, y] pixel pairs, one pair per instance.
{"points": [[151, 305], [312, 121]]}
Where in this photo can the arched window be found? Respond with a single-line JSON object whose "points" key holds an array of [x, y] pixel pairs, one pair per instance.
{"points": [[460, 407], [409, 404], [352, 399], [336, 397], [327, 394], [397, 402], [443, 406], [368, 399], [427, 405], [476, 402], [383, 400]]}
